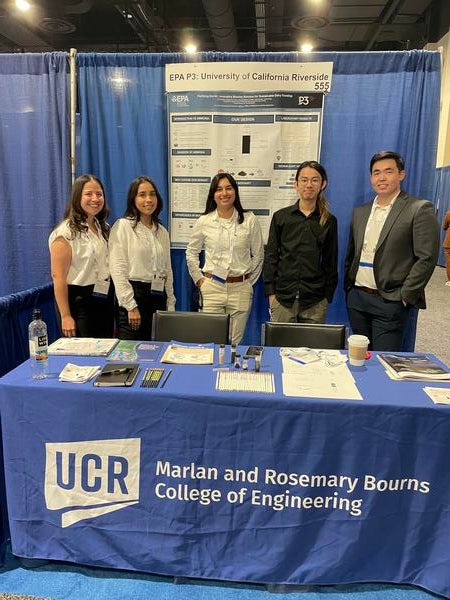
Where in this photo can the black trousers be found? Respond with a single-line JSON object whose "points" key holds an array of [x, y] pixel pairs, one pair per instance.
{"points": [[383, 321], [93, 315], [148, 303]]}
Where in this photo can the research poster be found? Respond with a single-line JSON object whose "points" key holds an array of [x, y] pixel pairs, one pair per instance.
{"points": [[256, 121]]}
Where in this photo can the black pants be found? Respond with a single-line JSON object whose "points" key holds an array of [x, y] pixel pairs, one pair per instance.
{"points": [[147, 303], [382, 321], [93, 315]]}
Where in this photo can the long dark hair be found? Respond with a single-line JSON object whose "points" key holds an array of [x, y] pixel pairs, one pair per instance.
{"points": [[321, 202], [211, 203], [131, 212], [77, 216]]}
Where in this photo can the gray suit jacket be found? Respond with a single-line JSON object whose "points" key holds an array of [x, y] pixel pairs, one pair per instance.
{"points": [[406, 253]]}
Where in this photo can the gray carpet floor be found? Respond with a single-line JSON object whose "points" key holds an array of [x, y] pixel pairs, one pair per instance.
{"points": [[433, 324]]}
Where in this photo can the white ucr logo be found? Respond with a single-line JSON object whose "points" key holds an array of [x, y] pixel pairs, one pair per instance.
{"points": [[91, 478]]}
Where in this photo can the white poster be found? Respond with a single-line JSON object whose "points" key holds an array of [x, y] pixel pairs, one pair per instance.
{"points": [[255, 127]]}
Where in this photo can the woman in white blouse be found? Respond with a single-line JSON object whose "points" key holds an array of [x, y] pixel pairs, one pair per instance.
{"points": [[79, 263], [232, 240], [140, 262]]}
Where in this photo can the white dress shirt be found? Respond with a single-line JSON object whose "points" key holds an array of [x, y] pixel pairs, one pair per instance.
{"points": [[365, 276], [236, 247], [139, 254], [89, 262]]}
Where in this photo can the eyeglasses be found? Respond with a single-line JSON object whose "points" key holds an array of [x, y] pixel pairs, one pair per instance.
{"points": [[313, 180]]}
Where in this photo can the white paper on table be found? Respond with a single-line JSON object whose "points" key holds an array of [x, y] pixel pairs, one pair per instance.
{"points": [[294, 364], [319, 381], [83, 346], [438, 395], [78, 374]]}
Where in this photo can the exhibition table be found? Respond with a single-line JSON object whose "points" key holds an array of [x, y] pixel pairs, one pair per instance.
{"points": [[188, 481]]}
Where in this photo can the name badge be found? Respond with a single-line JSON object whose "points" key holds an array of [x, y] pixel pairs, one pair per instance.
{"points": [[219, 274], [101, 288], [158, 285]]}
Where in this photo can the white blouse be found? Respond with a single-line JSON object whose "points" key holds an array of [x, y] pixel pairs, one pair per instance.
{"points": [[89, 262], [139, 254], [236, 247]]}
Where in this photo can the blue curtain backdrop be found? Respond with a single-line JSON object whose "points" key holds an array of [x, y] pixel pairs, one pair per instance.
{"points": [[34, 163], [379, 101]]}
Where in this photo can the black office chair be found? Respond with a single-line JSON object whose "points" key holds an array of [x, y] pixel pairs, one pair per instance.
{"points": [[195, 327], [308, 335]]}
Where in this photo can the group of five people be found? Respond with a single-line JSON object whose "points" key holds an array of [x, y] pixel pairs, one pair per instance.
{"points": [[392, 251]]}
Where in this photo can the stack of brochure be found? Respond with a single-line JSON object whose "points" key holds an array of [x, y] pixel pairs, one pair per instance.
{"points": [[83, 346], [413, 366], [78, 374], [128, 350], [189, 354], [438, 395]]}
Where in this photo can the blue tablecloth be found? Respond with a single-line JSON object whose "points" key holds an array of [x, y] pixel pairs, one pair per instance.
{"points": [[189, 481]]}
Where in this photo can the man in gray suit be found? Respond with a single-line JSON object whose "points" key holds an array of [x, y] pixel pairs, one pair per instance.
{"points": [[392, 251]]}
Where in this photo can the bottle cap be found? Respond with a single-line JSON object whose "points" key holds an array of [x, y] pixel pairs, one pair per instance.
{"points": [[36, 314]]}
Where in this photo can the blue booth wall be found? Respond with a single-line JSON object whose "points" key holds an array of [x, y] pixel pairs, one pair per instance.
{"points": [[378, 101]]}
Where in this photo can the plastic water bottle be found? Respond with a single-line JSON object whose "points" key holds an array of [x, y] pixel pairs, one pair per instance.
{"points": [[38, 340]]}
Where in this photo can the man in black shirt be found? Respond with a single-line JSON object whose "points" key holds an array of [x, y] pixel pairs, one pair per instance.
{"points": [[300, 267]]}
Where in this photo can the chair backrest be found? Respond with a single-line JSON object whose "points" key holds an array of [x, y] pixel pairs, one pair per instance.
{"points": [[309, 335], [195, 327]]}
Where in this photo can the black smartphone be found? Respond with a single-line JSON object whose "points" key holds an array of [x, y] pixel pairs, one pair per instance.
{"points": [[254, 350]]}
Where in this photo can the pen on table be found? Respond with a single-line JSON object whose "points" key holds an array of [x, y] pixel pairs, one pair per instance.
{"points": [[114, 371], [145, 378], [297, 360], [166, 378]]}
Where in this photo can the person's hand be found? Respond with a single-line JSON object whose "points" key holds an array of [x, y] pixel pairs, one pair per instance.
{"points": [[68, 326], [270, 298], [200, 282], [134, 318]]}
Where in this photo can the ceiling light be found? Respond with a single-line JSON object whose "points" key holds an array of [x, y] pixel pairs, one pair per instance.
{"points": [[306, 47], [23, 5], [190, 49]]}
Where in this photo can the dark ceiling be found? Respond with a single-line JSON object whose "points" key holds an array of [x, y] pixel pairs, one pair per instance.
{"points": [[222, 25]]}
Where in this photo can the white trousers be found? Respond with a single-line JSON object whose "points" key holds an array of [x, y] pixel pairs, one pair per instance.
{"points": [[233, 298]]}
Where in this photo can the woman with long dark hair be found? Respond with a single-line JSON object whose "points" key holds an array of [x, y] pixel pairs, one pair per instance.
{"points": [[140, 261], [79, 263], [232, 240]]}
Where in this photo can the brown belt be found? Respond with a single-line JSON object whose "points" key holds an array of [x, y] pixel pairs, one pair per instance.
{"points": [[230, 279], [367, 290]]}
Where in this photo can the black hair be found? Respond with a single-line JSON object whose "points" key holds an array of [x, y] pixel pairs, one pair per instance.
{"points": [[131, 211], [76, 215], [399, 161], [211, 203], [321, 202]]}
